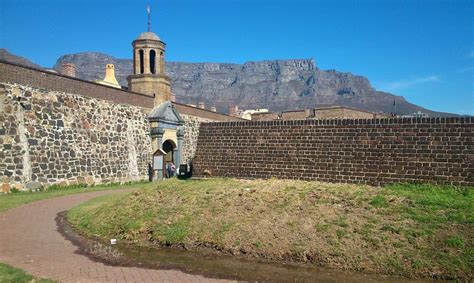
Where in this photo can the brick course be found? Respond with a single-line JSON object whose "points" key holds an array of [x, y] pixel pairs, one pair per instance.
{"points": [[50, 81], [370, 151], [28, 76]]}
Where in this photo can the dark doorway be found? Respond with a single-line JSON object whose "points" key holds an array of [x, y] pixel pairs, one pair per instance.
{"points": [[168, 147]]}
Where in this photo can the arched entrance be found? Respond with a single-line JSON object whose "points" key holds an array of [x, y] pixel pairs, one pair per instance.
{"points": [[169, 147]]}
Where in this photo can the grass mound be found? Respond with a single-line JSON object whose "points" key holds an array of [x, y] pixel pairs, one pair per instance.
{"points": [[11, 274], [17, 198], [408, 230]]}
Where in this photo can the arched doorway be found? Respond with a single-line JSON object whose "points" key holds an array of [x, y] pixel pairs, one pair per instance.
{"points": [[169, 147]]}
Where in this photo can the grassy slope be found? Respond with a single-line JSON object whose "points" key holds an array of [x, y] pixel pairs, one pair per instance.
{"points": [[12, 200], [404, 230], [11, 274]]}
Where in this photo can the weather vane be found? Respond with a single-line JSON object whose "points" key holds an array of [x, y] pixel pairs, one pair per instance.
{"points": [[148, 11]]}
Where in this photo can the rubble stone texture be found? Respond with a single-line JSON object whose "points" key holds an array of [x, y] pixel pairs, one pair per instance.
{"points": [[51, 137]]}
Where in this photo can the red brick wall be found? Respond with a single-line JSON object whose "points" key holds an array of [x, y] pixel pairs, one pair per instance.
{"points": [[372, 151], [12, 73]]}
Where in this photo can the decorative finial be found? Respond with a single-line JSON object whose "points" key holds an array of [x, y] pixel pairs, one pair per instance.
{"points": [[148, 11]]}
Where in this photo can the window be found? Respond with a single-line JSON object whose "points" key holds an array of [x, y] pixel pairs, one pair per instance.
{"points": [[142, 68], [152, 61]]}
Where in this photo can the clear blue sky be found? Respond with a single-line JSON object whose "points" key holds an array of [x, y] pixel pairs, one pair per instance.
{"points": [[422, 50]]}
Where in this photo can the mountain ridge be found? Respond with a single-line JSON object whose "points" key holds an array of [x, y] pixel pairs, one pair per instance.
{"points": [[278, 85]]}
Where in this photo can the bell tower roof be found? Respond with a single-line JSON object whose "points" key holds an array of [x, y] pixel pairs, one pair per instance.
{"points": [[148, 35]]}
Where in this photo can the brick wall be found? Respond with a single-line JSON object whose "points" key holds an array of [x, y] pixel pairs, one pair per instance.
{"points": [[372, 151], [14, 74]]}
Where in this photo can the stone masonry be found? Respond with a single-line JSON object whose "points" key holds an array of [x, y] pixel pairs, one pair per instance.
{"points": [[49, 137], [191, 133], [59, 129], [371, 151]]}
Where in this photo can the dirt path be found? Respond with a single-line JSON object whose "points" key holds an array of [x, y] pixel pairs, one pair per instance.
{"points": [[29, 240]]}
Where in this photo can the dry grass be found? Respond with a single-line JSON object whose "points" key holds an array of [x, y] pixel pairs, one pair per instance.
{"points": [[394, 230]]}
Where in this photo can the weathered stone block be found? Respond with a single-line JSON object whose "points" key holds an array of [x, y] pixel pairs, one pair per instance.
{"points": [[33, 185], [5, 188]]}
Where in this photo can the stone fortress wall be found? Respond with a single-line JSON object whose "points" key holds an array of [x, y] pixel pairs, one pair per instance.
{"points": [[59, 129], [370, 151], [55, 137]]}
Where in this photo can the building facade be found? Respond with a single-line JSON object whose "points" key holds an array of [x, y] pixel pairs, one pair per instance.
{"points": [[58, 129]]}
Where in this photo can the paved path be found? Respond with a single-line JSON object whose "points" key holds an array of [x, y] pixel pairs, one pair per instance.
{"points": [[29, 240]]}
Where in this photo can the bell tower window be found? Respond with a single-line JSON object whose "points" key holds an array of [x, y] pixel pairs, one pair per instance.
{"points": [[152, 61], [142, 67], [162, 62]]}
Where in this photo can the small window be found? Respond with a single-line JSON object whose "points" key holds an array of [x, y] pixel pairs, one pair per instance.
{"points": [[162, 62], [142, 67], [152, 61]]}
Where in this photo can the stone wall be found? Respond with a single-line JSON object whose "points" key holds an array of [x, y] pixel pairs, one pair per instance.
{"points": [[191, 133], [49, 137], [372, 151]]}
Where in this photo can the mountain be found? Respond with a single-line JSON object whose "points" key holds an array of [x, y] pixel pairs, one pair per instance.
{"points": [[9, 57], [278, 85]]}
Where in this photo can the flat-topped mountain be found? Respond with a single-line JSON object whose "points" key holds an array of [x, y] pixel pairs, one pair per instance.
{"points": [[277, 85]]}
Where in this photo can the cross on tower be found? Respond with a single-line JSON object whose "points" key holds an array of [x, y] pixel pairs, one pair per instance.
{"points": [[148, 11]]}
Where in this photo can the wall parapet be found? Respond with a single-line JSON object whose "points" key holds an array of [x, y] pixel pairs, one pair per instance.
{"points": [[51, 81]]}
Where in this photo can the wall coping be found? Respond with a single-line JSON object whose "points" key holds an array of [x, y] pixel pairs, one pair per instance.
{"points": [[94, 84], [347, 122]]}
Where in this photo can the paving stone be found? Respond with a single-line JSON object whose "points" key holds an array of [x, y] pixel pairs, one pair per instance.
{"points": [[44, 252]]}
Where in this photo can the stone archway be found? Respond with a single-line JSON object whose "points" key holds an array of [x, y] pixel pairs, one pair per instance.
{"points": [[169, 147]]}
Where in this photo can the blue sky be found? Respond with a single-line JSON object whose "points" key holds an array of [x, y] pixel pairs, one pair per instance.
{"points": [[422, 50]]}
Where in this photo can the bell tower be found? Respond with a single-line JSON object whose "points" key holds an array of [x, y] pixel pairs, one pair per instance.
{"points": [[149, 67]]}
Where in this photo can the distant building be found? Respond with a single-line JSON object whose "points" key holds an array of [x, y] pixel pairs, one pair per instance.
{"points": [[417, 114], [333, 112], [342, 112], [247, 114], [265, 116]]}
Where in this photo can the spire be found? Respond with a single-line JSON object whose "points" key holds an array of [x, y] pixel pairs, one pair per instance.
{"points": [[148, 11]]}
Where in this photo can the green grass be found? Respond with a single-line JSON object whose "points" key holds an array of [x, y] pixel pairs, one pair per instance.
{"points": [[408, 230], [11, 274], [18, 198]]}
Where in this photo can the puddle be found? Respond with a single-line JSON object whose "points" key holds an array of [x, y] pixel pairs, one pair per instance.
{"points": [[211, 264]]}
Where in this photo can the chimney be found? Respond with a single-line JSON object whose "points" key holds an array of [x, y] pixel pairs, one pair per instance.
{"points": [[68, 69], [213, 109], [202, 105], [110, 74], [233, 109], [173, 97]]}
